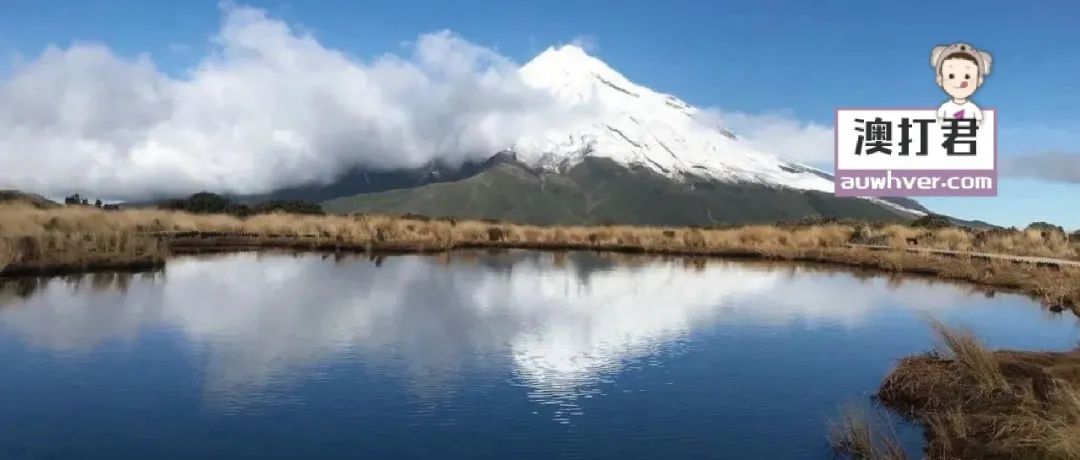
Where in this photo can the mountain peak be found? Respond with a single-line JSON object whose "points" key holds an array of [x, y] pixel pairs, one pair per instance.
{"points": [[633, 125], [572, 74], [636, 126], [569, 51], [566, 56]]}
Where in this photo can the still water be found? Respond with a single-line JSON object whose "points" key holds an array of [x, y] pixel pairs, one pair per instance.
{"points": [[502, 355]]}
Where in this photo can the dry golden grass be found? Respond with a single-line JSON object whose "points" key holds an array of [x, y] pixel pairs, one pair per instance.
{"points": [[403, 232], [979, 363], [22, 220], [976, 403], [854, 436], [1022, 243], [40, 240], [76, 237]]}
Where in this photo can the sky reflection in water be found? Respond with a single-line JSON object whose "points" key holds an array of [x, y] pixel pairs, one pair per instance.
{"points": [[567, 329]]}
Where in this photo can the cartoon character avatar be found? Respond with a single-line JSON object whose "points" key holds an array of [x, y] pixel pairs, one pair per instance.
{"points": [[961, 70]]}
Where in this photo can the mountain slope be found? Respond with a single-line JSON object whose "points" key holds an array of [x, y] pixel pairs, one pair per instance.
{"points": [[370, 181], [626, 154], [600, 190], [35, 200], [637, 127]]}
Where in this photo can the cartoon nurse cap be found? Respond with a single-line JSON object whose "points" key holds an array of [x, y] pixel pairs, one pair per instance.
{"points": [[940, 52]]}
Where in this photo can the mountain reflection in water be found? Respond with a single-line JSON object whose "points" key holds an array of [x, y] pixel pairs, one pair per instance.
{"points": [[570, 355], [566, 319]]}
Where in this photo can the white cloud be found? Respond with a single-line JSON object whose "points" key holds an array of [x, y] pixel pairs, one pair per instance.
{"points": [[782, 134], [588, 43], [269, 106]]}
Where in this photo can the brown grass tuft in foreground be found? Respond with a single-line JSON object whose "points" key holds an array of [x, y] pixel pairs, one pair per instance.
{"points": [[963, 348], [975, 403], [853, 436]]}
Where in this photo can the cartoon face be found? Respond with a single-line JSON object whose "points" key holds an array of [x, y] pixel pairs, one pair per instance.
{"points": [[959, 77], [960, 68]]}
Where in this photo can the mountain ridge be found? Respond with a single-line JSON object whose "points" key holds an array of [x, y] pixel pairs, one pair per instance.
{"points": [[623, 154], [601, 191], [634, 132]]}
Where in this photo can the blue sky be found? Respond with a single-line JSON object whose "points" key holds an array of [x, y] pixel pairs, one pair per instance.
{"points": [[800, 59]]}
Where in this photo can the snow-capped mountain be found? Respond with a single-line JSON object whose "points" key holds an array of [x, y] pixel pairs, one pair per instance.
{"points": [[623, 154], [641, 127]]}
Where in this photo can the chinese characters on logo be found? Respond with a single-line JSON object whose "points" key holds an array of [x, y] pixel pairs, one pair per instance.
{"points": [[877, 136]]}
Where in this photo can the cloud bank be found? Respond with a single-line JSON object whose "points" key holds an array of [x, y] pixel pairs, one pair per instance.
{"points": [[269, 106], [1051, 166], [780, 133]]}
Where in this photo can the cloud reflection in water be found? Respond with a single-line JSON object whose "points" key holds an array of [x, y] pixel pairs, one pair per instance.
{"points": [[567, 322]]}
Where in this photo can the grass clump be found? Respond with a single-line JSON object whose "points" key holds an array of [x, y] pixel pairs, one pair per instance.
{"points": [[961, 346], [932, 221], [976, 403], [854, 436]]}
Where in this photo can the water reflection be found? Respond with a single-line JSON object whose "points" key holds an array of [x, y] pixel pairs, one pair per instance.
{"points": [[566, 321]]}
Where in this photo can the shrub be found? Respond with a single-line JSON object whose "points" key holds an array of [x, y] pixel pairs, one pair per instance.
{"points": [[932, 221], [292, 207], [204, 203], [416, 217], [212, 203], [1045, 228]]}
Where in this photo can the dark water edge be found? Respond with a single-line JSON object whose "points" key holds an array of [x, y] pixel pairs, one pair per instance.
{"points": [[469, 354], [56, 270], [30, 276]]}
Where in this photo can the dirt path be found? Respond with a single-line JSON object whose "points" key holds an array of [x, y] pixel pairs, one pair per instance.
{"points": [[1038, 261]]}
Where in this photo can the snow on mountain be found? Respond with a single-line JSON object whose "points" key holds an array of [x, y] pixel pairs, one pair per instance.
{"points": [[639, 126], [636, 126]]}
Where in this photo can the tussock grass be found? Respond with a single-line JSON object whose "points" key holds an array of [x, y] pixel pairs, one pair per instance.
{"points": [[79, 237], [979, 363], [23, 220], [41, 240], [976, 403], [1030, 242], [854, 436]]}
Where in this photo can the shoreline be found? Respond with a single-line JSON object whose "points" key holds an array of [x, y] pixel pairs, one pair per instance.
{"points": [[1047, 284], [631, 254], [74, 239], [134, 266]]}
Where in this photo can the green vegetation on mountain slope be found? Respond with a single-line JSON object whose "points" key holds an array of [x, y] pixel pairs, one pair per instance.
{"points": [[598, 191]]}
